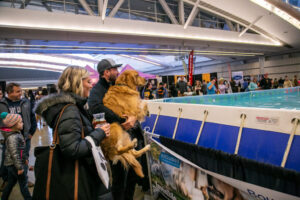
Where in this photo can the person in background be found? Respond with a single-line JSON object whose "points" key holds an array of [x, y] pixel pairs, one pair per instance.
{"points": [[189, 92], [295, 82], [228, 87], [253, 85], [166, 91], [280, 82], [41, 95], [53, 89], [3, 169], [287, 83], [13, 104], [173, 90], [222, 86], [197, 88], [15, 161], [275, 83], [181, 86], [189, 86], [265, 82], [233, 86], [245, 85], [211, 88], [74, 85], [204, 88], [161, 91], [148, 92]]}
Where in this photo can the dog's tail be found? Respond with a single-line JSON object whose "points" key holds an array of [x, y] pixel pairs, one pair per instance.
{"points": [[133, 163]]}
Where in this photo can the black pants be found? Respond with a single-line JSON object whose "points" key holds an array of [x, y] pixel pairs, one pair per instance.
{"points": [[3, 169], [13, 177], [124, 182]]}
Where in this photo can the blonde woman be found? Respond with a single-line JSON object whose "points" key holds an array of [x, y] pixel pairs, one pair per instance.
{"points": [[222, 87], [74, 87]]}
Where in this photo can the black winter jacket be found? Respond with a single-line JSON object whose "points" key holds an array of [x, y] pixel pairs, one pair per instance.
{"points": [[96, 105], [15, 149], [69, 133]]}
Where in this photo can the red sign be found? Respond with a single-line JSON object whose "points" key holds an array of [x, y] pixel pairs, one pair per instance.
{"points": [[191, 66]]}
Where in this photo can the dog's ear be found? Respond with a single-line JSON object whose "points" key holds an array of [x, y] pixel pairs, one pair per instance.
{"points": [[122, 79]]}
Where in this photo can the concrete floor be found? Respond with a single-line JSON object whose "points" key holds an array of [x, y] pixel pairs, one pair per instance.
{"points": [[43, 137]]}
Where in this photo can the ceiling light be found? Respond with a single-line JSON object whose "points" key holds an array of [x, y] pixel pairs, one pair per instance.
{"points": [[139, 59]]}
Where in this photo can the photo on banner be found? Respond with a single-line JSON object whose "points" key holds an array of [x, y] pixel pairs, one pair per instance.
{"points": [[173, 177]]}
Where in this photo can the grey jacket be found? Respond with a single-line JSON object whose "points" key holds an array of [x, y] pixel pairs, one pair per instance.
{"points": [[15, 149], [27, 116]]}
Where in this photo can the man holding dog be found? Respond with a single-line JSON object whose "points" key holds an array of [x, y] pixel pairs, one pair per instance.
{"points": [[124, 182]]}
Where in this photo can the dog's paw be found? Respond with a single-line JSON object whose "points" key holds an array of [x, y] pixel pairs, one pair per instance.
{"points": [[134, 142]]}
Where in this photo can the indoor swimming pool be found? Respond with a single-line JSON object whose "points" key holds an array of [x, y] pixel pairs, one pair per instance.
{"points": [[285, 98]]}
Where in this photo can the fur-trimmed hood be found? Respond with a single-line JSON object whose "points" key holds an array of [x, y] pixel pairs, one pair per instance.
{"points": [[51, 100], [50, 106]]}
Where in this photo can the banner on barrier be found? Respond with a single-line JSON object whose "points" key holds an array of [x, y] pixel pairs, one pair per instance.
{"points": [[173, 177]]}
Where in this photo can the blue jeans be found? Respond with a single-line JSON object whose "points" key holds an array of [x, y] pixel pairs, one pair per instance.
{"points": [[13, 177]]}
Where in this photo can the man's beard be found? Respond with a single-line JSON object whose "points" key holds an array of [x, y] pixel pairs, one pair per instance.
{"points": [[112, 78]]}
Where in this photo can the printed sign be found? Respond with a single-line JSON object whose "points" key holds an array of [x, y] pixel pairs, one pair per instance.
{"points": [[173, 177], [267, 120]]}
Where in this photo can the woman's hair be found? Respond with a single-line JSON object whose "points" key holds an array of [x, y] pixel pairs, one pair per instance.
{"points": [[71, 80]]}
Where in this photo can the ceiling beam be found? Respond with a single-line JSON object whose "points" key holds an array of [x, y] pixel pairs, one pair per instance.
{"points": [[100, 6], [104, 9], [192, 15], [226, 16], [181, 11], [168, 11], [250, 25], [86, 7], [116, 8]]}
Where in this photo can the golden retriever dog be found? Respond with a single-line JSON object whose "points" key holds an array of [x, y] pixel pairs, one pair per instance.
{"points": [[124, 99]]}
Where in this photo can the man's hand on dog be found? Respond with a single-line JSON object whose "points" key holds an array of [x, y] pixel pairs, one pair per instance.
{"points": [[130, 121], [105, 128]]}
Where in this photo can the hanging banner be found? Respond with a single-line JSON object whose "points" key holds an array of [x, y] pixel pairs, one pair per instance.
{"points": [[173, 177], [191, 66]]}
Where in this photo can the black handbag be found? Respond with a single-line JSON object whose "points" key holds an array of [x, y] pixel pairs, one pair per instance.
{"points": [[51, 166]]}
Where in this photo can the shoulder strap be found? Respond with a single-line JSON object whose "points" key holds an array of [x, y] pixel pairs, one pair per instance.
{"points": [[55, 136], [52, 147]]}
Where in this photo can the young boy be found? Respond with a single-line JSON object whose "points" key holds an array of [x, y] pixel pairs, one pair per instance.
{"points": [[15, 156]]}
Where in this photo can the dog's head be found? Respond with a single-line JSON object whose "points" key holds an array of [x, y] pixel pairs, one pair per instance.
{"points": [[131, 79]]}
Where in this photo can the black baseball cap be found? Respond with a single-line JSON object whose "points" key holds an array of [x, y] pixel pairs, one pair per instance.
{"points": [[107, 63]]}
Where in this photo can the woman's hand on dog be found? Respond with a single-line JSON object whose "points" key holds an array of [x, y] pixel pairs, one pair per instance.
{"points": [[129, 123], [105, 128]]}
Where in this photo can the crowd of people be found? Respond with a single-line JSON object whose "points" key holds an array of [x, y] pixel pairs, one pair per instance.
{"points": [[215, 86], [18, 124]]}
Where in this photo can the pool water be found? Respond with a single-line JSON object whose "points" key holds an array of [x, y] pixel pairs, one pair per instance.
{"points": [[285, 98]]}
